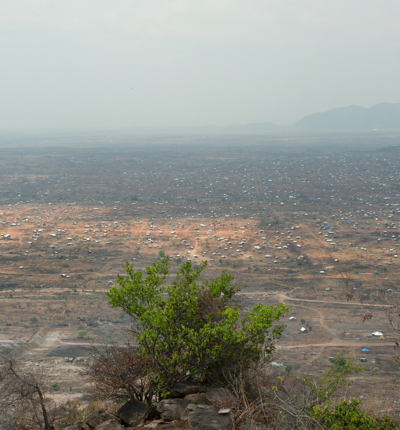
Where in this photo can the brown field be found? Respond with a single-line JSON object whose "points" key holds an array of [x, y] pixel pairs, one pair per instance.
{"points": [[65, 247]]}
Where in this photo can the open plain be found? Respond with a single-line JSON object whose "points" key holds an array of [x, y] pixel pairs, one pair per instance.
{"points": [[296, 219]]}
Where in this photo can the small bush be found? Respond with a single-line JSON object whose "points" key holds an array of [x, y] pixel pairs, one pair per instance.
{"points": [[55, 386], [348, 415]]}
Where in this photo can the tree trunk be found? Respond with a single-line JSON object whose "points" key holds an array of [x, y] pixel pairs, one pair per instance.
{"points": [[47, 425]]}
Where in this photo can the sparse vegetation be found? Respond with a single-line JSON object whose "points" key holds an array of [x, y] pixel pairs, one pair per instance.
{"points": [[286, 174]]}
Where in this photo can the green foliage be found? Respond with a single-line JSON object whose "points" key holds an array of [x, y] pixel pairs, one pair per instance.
{"points": [[82, 333], [339, 362], [192, 328], [294, 402], [288, 369], [161, 254], [335, 379], [348, 415], [33, 320]]}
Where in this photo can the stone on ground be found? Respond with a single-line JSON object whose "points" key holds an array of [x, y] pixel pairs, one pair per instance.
{"points": [[133, 412], [110, 425], [209, 419], [100, 416], [183, 388]]}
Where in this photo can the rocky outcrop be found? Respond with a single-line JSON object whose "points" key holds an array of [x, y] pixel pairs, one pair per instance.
{"points": [[190, 406]]}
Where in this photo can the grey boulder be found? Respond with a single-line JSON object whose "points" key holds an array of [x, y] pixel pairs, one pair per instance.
{"points": [[110, 425], [209, 419], [220, 396], [100, 416], [198, 398], [133, 412], [173, 409], [183, 388], [77, 426]]}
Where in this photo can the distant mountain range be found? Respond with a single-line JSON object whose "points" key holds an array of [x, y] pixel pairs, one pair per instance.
{"points": [[381, 117]]}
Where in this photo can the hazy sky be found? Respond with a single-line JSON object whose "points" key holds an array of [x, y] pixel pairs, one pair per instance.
{"points": [[127, 63]]}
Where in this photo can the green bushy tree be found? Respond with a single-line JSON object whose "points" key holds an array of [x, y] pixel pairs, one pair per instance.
{"points": [[192, 328]]}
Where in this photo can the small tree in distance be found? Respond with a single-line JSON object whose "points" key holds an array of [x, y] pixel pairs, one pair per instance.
{"points": [[192, 329]]}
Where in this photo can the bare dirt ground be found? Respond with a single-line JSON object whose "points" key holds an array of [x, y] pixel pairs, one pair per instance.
{"points": [[287, 216], [52, 290]]}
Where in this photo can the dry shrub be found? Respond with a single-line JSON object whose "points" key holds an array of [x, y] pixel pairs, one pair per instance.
{"points": [[380, 400], [119, 373], [265, 399], [25, 401], [75, 411]]}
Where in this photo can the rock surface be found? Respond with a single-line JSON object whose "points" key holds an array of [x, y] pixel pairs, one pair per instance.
{"points": [[173, 409], [183, 388], [100, 416], [209, 419], [153, 424], [77, 426], [133, 412], [221, 396], [110, 425], [197, 398], [177, 425]]}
